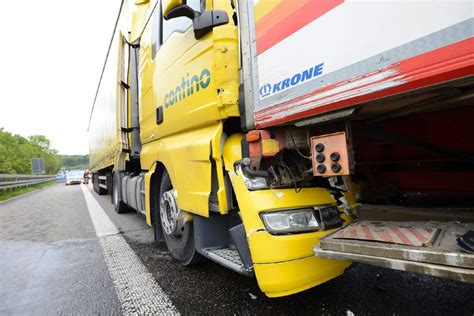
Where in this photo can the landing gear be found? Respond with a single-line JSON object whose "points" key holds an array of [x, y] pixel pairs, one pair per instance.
{"points": [[178, 233]]}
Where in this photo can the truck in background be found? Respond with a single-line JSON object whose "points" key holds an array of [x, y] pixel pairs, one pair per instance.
{"points": [[252, 133]]}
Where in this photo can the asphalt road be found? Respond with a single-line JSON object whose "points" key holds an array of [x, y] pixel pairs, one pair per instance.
{"points": [[53, 261]]}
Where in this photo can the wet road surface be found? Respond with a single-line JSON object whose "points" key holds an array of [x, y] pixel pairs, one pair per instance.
{"points": [[52, 262]]}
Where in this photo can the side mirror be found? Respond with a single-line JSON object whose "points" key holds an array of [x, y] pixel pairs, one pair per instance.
{"points": [[169, 5], [179, 11], [203, 23]]}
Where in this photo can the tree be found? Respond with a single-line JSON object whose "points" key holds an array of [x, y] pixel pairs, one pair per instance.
{"points": [[16, 153], [71, 162], [40, 141]]}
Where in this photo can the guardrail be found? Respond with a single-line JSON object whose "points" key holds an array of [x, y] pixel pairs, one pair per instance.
{"points": [[13, 181]]}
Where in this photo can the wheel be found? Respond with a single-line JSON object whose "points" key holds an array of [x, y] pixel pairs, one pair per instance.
{"points": [[178, 234], [119, 206]]}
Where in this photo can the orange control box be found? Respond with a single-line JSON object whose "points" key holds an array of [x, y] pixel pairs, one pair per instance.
{"points": [[330, 155]]}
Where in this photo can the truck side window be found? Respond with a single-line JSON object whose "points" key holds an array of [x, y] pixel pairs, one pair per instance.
{"points": [[180, 24]]}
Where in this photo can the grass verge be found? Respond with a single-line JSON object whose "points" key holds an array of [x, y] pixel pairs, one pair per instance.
{"points": [[6, 195]]}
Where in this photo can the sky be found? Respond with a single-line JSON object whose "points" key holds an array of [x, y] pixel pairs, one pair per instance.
{"points": [[51, 57]]}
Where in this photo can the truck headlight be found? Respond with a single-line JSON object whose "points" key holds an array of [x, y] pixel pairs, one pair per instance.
{"points": [[252, 184], [290, 221], [255, 183]]}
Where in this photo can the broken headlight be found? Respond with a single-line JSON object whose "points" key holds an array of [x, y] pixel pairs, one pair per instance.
{"points": [[290, 221]]}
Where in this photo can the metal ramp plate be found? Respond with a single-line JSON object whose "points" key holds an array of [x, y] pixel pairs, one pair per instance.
{"points": [[397, 233], [229, 258], [438, 256], [449, 272]]}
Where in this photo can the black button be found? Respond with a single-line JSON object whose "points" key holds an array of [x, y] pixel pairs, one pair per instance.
{"points": [[335, 156], [320, 158], [335, 167], [319, 147], [321, 168]]}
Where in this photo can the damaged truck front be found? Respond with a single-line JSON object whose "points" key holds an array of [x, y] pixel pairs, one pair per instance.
{"points": [[284, 139]]}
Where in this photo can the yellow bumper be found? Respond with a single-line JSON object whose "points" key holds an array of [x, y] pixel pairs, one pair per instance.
{"points": [[290, 277], [284, 264]]}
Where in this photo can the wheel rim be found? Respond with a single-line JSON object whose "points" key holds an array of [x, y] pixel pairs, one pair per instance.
{"points": [[172, 218]]}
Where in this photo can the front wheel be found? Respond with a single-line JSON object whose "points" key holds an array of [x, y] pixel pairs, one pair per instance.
{"points": [[178, 233]]}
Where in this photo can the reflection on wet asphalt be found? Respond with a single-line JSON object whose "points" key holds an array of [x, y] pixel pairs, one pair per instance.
{"points": [[51, 261]]}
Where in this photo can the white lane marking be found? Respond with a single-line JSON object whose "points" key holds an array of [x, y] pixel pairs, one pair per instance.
{"points": [[136, 289], [102, 223]]}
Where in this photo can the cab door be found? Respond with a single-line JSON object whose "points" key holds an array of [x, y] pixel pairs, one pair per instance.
{"points": [[187, 73], [190, 86]]}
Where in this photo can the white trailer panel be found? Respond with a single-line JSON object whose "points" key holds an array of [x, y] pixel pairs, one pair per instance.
{"points": [[311, 57]]}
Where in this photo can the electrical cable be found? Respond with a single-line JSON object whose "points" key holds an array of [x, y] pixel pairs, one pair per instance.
{"points": [[296, 147], [293, 179]]}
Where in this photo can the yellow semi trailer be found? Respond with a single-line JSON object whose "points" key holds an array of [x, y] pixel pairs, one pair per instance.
{"points": [[231, 126]]}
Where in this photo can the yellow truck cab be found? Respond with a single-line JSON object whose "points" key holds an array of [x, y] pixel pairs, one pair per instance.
{"points": [[185, 129]]}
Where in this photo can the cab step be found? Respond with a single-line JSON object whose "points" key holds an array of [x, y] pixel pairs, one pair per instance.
{"points": [[422, 247], [229, 258]]}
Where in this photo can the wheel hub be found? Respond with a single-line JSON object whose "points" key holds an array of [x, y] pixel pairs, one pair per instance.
{"points": [[172, 218]]}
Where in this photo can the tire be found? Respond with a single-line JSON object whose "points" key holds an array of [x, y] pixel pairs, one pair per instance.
{"points": [[182, 249], [119, 206]]}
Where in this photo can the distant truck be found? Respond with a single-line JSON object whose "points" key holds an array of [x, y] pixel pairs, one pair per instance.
{"points": [[285, 139]]}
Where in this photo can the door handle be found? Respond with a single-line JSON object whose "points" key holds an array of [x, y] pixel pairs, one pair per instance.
{"points": [[159, 115]]}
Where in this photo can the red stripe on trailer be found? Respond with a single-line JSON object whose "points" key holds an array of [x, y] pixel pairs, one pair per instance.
{"points": [[300, 18], [437, 66]]}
